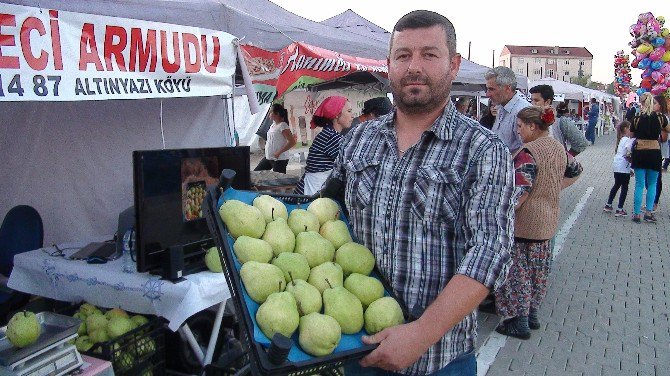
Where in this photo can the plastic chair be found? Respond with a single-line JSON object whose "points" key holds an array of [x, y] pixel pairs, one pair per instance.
{"points": [[21, 230]]}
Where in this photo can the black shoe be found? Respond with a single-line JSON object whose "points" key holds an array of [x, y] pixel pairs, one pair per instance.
{"points": [[516, 327], [488, 306], [649, 217], [533, 320]]}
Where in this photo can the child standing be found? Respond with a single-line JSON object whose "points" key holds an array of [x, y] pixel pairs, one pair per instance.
{"points": [[621, 167]]}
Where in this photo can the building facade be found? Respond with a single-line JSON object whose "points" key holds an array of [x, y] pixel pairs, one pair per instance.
{"points": [[536, 62]]}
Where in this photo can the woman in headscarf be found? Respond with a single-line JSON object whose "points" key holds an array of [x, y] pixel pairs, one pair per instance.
{"points": [[542, 168], [333, 115], [648, 127]]}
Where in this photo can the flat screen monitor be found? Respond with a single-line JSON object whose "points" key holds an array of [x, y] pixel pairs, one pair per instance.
{"points": [[169, 187]]}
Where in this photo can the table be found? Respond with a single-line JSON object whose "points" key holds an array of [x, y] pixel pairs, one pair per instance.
{"points": [[41, 272]]}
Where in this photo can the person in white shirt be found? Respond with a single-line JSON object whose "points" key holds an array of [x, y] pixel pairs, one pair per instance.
{"points": [[279, 141], [622, 169], [501, 89]]}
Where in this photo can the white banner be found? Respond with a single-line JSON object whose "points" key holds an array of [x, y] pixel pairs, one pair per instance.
{"points": [[51, 55]]}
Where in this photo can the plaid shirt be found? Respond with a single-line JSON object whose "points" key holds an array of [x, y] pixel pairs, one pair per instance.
{"points": [[444, 208]]}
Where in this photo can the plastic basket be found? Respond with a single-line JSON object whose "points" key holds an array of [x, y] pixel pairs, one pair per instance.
{"points": [[298, 362]]}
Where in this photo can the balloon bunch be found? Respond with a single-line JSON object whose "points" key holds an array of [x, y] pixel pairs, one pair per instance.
{"points": [[621, 73], [651, 47]]}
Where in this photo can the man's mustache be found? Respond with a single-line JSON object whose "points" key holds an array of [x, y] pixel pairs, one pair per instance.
{"points": [[414, 80]]}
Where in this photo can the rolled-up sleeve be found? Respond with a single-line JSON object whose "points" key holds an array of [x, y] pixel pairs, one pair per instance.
{"points": [[489, 211]]}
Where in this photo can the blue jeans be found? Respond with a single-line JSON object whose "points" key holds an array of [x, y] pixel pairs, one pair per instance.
{"points": [[649, 178], [464, 365], [591, 132]]}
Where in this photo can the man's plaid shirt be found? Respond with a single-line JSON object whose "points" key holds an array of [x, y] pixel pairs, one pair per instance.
{"points": [[444, 208]]}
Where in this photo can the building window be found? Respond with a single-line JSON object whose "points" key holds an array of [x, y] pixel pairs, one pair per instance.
{"points": [[537, 71], [551, 61], [581, 62], [520, 60], [533, 51], [538, 60], [520, 71], [566, 73], [550, 72], [567, 62]]}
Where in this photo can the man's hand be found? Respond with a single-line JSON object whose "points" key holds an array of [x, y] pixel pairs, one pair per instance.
{"points": [[399, 347]]}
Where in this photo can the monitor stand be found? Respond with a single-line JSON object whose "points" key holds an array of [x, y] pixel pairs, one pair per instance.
{"points": [[181, 260]]}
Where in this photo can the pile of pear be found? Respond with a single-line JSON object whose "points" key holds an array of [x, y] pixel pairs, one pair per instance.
{"points": [[307, 273]]}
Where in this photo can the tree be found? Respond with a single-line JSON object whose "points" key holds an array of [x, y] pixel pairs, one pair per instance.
{"points": [[581, 80]]}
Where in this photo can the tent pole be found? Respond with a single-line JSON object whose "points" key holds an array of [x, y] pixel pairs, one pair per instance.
{"points": [[161, 120]]}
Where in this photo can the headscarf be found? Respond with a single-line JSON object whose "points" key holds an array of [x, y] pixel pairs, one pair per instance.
{"points": [[329, 108]]}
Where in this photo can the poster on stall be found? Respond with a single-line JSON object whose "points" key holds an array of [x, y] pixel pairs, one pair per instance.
{"points": [[52, 55], [301, 65]]}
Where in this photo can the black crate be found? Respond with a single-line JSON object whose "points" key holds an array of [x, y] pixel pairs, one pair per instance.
{"points": [[260, 363], [139, 352]]}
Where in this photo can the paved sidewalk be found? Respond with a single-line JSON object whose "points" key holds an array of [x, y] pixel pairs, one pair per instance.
{"points": [[606, 312]]}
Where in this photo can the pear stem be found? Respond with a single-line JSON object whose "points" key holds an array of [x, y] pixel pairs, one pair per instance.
{"points": [[279, 285], [273, 213], [328, 282], [305, 228]]}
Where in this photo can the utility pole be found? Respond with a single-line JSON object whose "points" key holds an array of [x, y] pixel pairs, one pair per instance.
{"points": [[493, 59], [469, 46], [527, 69]]}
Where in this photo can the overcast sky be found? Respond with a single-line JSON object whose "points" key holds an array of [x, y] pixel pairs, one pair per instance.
{"points": [[601, 27]]}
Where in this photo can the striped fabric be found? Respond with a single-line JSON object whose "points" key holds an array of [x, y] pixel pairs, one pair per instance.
{"points": [[321, 155], [444, 208]]}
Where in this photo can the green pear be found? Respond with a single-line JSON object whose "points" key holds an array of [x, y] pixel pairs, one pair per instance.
{"points": [[367, 289], [329, 271], [124, 362], [98, 335], [336, 232], [300, 220], [307, 296], [294, 265], [82, 329], [83, 343], [279, 236], [383, 313], [242, 219], [319, 334], [279, 314], [139, 320], [271, 208], [118, 326], [325, 209], [145, 346], [260, 280], [116, 312], [23, 329], [96, 321], [344, 307], [87, 309], [213, 260], [355, 258], [314, 247], [248, 249]]}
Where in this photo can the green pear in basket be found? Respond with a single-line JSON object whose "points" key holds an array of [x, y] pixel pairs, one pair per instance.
{"points": [[145, 346], [336, 232], [307, 297], [314, 247], [367, 289], [83, 344], [95, 322], [251, 249], [383, 313], [319, 334], [325, 276], [279, 236], [278, 314], [116, 312], [139, 320], [242, 219], [344, 307], [355, 258], [23, 329], [325, 209], [294, 265], [88, 309], [124, 361], [118, 326], [271, 208], [99, 335], [213, 261], [260, 280], [300, 220]]}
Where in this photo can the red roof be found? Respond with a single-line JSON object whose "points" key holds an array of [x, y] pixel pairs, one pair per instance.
{"points": [[547, 51]]}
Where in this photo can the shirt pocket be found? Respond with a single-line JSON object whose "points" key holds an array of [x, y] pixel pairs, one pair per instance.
{"points": [[362, 177], [437, 194]]}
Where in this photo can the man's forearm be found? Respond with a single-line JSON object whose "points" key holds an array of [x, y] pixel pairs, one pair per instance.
{"points": [[460, 297]]}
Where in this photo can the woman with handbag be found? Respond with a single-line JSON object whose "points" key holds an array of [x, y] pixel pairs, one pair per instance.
{"points": [[648, 126]]}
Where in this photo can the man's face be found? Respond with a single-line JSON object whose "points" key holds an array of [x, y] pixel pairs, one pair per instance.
{"points": [[421, 70], [537, 100], [499, 94]]}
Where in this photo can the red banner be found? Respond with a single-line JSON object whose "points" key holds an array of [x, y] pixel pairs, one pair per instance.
{"points": [[300, 65]]}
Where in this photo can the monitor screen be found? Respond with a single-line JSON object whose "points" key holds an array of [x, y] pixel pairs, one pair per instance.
{"points": [[169, 189]]}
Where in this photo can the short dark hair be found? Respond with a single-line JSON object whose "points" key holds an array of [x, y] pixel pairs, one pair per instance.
{"points": [[420, 19], [662, 102], [545, 91]]}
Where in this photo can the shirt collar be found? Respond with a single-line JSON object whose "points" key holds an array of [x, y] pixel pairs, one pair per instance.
{"points": [[442, 127], [509, 106]]}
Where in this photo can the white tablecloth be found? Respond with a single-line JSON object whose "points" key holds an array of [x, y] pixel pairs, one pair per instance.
{"points": [[106, 285]]}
